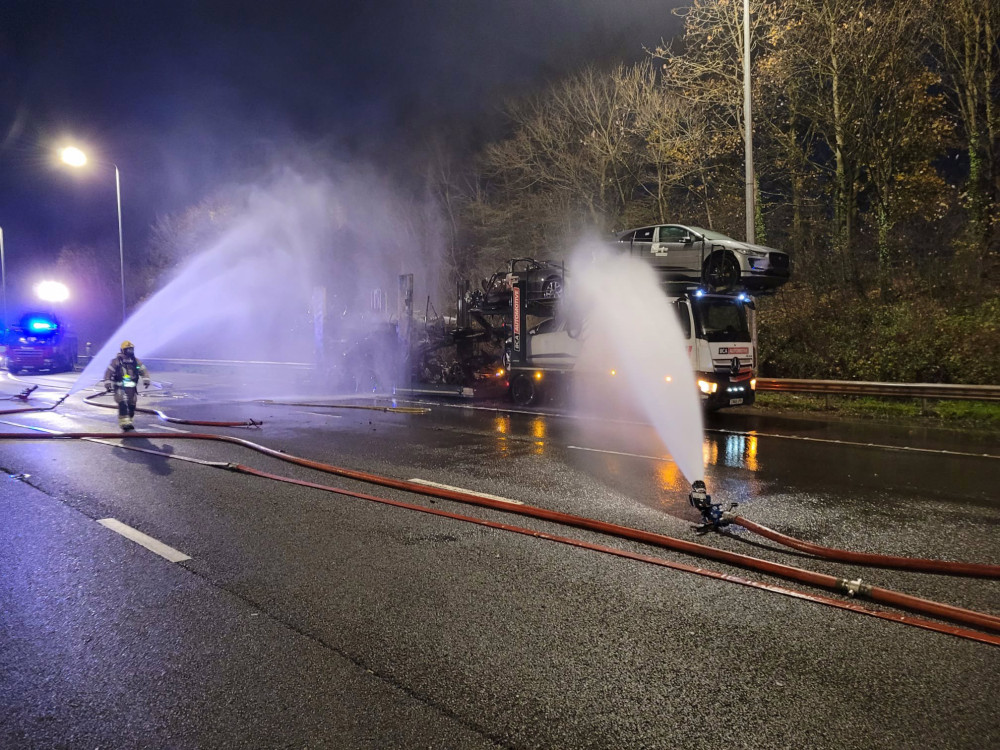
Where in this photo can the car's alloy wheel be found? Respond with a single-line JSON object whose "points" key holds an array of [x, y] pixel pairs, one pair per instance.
{"points": [[552, 288], [722, 271]]}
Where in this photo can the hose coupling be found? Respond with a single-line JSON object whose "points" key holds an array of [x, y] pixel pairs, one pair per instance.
{"points": [[712, 515], [854, 588]]}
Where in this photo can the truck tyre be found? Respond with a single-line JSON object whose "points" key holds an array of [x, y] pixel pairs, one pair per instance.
{"points": [[522, 390], [721, 271]]}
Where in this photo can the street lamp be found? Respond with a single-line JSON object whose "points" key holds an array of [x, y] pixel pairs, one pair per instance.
{"points": [[52, 291], [76, 158]]}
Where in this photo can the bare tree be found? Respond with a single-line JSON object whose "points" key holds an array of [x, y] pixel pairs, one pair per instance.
{"points": [[706, 68], [673, 141], [572, 142]]}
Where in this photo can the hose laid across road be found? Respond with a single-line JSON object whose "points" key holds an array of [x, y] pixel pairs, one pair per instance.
{"points": [[852, 588], [973, 635], [922, 565], [174, 420], [22, 409]]}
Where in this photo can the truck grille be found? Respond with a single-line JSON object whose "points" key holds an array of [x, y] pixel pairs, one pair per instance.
{"points": [[27, 359]]}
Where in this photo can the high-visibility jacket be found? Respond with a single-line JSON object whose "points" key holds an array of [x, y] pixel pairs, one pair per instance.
{"points": [[125, 373]]}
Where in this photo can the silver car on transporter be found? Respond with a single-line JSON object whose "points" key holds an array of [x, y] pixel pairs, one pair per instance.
{"points": [[702, 255]]}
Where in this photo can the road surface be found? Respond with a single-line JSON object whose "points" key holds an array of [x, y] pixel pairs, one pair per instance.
{"points": [[280, 615]]}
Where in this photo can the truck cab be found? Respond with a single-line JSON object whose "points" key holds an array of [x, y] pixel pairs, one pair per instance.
{"points": [[716, 328], [720, 346]]}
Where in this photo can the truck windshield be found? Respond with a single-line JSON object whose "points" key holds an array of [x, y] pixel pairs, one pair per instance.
{"points": [[721, 319]]}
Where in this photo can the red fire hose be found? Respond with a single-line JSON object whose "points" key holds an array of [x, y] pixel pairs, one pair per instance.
{"points": [[852, 588], [174, 420], [866, 558]]}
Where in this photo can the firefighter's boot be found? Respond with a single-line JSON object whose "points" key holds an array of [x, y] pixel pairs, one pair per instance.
{"points": [[125, 423]]}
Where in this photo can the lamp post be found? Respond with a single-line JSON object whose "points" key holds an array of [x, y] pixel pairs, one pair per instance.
{"points": [[76, 158], [748, 127], [3, 283]]}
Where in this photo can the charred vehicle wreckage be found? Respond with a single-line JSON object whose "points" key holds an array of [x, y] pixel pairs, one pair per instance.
{"points": [[512, 337]]}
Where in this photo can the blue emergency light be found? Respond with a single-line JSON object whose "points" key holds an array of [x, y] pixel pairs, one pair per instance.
{"points": [[41, 324]]}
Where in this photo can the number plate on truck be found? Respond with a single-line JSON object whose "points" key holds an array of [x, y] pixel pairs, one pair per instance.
{"points": [[735, 401]]}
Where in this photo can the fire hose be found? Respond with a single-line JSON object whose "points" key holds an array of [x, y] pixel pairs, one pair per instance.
{"points": [[714, 518], [853, 588], [175, 420], [24, 397]]}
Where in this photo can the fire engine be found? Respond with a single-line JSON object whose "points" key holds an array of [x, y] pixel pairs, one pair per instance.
{"points": [[40, 342]]}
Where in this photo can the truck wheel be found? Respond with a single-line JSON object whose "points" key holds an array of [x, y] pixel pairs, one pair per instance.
{"points": [[721, 271], [523, 391]]}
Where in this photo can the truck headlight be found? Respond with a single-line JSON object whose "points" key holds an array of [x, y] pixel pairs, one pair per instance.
{"points": [[707, 386]]}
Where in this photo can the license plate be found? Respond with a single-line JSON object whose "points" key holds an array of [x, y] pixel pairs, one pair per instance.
{"points": [[735, 401]]}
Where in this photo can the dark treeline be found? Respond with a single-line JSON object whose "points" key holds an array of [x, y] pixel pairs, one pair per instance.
{"points": [[877, 156]]}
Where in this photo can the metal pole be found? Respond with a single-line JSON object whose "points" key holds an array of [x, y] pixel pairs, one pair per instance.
{"points": [[3, 282], [121, 245], [748, 124]]}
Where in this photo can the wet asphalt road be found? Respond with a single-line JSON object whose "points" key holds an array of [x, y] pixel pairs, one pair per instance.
{"points": [[309, 619]]}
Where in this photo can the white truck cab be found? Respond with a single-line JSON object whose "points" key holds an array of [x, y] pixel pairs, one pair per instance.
{"points": [[717, 333], [720, 346]]}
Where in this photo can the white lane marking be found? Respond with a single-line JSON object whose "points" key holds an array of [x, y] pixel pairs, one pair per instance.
{"points": [[855, 444], [176, 456], [804, 438], [321, 414], [35, 428], [621, 453], [171, 429], [467, 492], [153, 545]]}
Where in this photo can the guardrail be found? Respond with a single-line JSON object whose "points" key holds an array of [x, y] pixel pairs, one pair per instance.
{"points": [[923, 391]]}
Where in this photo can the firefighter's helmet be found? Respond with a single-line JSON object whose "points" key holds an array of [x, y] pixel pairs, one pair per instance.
{"points": [[126, 344]]}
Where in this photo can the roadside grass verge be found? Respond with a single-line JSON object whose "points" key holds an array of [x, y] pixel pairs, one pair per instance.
{"points": [[945, 412]]}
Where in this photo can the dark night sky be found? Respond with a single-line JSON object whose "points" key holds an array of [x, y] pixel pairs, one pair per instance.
{"points": [[181, 93]]}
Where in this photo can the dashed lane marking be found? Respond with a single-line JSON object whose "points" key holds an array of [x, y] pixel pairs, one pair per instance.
{"points": [[621, 453], [153, 545]]}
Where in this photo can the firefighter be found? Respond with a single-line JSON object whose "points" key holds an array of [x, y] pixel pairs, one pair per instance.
{"points": [[122, 377]]}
